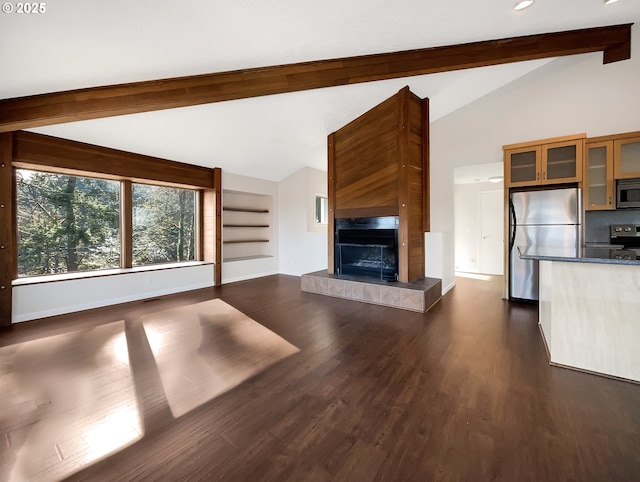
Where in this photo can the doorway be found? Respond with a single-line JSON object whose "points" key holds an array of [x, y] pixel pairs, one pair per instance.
{"points": [[478, 220], [491, 233]]}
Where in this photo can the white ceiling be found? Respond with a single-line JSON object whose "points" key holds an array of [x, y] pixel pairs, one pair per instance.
{"points": [[95, 42]]}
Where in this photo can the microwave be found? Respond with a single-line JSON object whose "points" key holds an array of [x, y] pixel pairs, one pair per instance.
{"points": [[628, 193]]}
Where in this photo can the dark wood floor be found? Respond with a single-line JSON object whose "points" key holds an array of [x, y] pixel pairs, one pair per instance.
{"points": [[463, 392]]}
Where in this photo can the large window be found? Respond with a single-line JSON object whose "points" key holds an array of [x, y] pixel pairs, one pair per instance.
{"points": [[69, 224], [66, 223], [164, 227]]}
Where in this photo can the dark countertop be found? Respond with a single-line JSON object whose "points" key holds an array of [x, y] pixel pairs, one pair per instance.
{"points": [[586, 255]]}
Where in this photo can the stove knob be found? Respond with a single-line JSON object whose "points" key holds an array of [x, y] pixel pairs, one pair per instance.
{"points": [[618, 229], [627, 229]]}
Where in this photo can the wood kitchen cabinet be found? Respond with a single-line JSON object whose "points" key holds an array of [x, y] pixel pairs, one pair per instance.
{"points": [[599, 183], [608, 158], [549, 161], [522, 166], [626, 155]]}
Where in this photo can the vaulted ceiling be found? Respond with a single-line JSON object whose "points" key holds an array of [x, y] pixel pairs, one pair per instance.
{"points": [[91, 43]]}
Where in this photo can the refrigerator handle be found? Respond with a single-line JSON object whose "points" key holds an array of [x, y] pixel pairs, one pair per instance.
{"points": [[513, 225]]}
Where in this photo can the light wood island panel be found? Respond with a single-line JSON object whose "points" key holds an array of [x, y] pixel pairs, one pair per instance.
{"points": [[589, 316]]}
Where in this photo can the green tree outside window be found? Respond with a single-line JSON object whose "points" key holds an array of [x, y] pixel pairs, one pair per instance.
{"points": [[66, 223]]}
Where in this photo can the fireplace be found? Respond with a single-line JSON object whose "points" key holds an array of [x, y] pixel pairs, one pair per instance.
{"points": [[367, 248]]}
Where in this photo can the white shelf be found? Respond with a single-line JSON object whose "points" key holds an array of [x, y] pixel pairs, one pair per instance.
{"points": [[245, 258]]}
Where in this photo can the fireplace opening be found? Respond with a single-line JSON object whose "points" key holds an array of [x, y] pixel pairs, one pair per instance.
{"points": [[367, 248]]}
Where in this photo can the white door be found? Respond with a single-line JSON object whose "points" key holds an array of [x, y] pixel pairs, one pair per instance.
{"points": [[491, 232]]}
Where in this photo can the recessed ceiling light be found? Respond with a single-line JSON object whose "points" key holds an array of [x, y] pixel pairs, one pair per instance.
{"points": [[495, 179], [522, 4], [609, 2]]}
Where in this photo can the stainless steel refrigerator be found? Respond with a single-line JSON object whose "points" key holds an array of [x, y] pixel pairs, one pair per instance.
{"points": [[549, 218]]}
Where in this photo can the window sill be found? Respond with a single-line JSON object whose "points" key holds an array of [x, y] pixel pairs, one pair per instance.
{"points": [[51, 278]]}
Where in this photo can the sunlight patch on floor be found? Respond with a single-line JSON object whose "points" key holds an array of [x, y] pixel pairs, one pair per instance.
{"points": [[67, 401], [205, 349]]}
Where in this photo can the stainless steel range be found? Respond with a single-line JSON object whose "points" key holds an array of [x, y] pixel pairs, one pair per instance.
{"points": [[628, 236]]}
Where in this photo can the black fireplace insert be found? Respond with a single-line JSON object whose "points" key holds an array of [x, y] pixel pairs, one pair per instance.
{"points": [[367, 248]]}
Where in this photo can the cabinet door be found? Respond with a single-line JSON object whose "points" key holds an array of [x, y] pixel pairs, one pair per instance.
{"points": [[598, 175], [522, 166], [562, 162], [626, 158]]}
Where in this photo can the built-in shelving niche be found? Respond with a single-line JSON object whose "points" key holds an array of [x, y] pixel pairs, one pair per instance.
{"points": [[247, 226]]}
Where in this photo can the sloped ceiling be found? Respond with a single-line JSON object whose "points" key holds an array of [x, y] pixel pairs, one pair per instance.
{"points": [[83, 44]]}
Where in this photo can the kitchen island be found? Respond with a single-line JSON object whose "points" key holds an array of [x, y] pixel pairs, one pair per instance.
{"points": [[589, 312]]}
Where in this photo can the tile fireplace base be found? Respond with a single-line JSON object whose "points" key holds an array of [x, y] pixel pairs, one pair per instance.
{"points": [[419, 295]]}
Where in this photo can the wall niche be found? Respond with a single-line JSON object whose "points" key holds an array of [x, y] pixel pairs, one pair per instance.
{"points": [[247, 220]]}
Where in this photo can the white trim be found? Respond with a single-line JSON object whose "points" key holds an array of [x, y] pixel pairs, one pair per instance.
{"points": [[449, 287]]}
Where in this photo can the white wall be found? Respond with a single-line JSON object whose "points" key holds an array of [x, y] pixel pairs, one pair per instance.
{"points": [[439, 252], [303, 243], [570, 95], [32, 301], [252, 268], [438, 247]]}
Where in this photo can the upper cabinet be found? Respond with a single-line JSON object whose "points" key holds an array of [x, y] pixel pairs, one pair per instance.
{"points": [[549, 161], [522, 166], [599, 184], [560, 160], [607, 159], [626, 156]]}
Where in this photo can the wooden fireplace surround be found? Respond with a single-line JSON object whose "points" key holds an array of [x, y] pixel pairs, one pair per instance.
{"points": [[379, 166]]}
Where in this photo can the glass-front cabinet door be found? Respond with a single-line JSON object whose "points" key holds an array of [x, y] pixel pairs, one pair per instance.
{"points": [[562, 162], [598, 176], [522, 166], [627, 157]]}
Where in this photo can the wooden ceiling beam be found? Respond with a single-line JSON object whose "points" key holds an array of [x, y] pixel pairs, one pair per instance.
{"points": [[92, 103]]}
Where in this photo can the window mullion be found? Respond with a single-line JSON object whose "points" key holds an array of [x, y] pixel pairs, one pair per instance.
{"points": [[126, 224]]}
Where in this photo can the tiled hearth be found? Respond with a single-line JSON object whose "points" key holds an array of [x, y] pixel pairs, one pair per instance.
{"points": [[419, 295]]}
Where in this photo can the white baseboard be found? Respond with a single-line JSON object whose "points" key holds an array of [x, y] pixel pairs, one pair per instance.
{"points": [[449, 287]]}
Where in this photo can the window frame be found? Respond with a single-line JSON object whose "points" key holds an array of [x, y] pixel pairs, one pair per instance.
{"points": [[126, 224]]}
